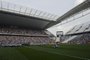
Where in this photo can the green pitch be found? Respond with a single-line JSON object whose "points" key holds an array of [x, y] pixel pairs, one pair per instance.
{"points": [[64, 52]]}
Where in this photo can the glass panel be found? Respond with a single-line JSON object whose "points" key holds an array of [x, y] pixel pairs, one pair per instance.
{"points": [[26, 11], [87, 11], [52, 17], [12, 7], [78, 15], [41, 14], [5, 5], [17, 8], [37, 13], [22, 10], [0, 4], [49, 16], [33, 12], [56, 18], [46, 15]]}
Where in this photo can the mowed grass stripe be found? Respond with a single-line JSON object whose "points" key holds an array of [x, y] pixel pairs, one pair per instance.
{"points": [[62, 52], [11, 54], [35, 54]]}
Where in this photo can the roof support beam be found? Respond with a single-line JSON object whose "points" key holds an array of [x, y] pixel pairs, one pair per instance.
{"points": [[75, 10]]}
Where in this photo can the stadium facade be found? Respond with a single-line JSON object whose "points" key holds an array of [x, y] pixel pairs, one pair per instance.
{"points": [[79, 34], [22, 25]]}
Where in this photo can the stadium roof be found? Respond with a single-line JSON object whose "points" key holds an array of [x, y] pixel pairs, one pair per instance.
{"points": [[12, 14], [84, 5], [80, 29]]}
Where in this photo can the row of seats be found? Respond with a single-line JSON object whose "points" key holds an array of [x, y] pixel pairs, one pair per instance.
{"points": [[16, 30], [81, 39], [79, 29], [72, 35], [15, 36], [19, 40]]}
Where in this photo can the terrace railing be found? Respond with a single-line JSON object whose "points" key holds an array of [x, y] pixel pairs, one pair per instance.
{"points": [[10, 7]]}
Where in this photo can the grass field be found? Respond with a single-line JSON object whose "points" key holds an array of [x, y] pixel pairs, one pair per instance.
{"points": [[64, 52]]}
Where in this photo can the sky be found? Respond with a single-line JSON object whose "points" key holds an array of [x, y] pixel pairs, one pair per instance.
{"points": [[57, 7]]}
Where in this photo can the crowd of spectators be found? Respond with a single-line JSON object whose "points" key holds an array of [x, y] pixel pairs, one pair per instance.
{"points": [[17, 30], [19, 40], [35, 37], [81, 39]]}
